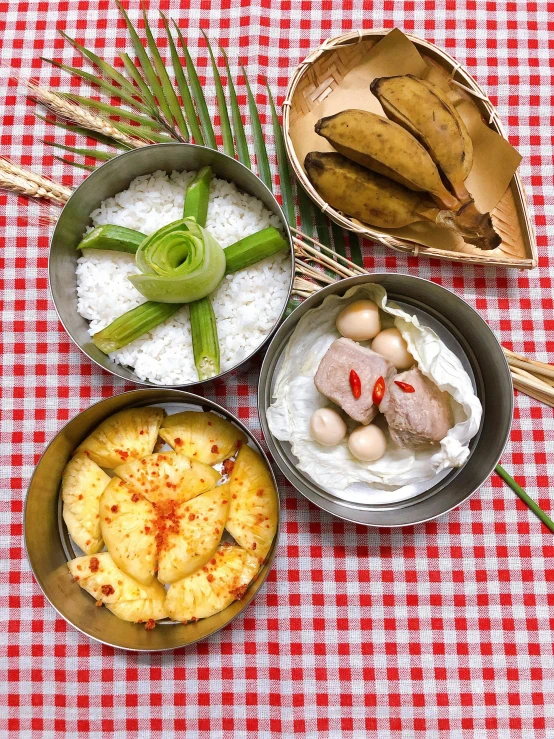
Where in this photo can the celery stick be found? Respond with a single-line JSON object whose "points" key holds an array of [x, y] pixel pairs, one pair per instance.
{"points": [[205, 342], [197, 197], [132, 325], [253, 249], [113, 238]]}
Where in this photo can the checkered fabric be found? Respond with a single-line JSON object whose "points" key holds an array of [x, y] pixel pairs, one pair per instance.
{"points": [[440, 630]]}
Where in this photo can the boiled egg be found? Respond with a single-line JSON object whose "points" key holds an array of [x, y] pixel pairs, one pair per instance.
{"points": [[327, 427], [390, 344], [359, 321], [367, 443]]}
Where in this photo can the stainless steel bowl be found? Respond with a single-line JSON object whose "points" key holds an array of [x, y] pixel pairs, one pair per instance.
{"points": [[109, 179], [49, 547], [465, 332]]}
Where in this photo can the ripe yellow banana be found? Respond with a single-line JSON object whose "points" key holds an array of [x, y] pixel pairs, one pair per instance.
{"points": [[378, 200], [386, 148], [425, 111]]}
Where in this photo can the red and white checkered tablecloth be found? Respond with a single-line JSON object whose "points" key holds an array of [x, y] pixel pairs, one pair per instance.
{"points": [[441, 630]]}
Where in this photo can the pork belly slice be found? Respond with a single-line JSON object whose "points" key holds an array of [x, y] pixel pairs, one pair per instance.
{"points": [[418, 418], [332, 378]]}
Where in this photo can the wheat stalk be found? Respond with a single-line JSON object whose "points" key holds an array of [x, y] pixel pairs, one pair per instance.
{"points": [[80, 115], [25, 182]]}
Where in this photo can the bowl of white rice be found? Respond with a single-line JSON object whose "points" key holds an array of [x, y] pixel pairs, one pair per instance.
{"points": [[144, 190]]}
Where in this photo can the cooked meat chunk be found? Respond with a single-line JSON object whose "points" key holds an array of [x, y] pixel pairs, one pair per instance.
{"points": [[416, 418], [332, 378]]}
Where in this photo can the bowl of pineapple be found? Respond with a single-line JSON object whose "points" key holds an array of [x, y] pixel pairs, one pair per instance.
{"points": [[151, 520]]}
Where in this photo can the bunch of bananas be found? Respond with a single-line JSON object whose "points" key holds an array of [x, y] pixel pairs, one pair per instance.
{"points": [[411, 166]]}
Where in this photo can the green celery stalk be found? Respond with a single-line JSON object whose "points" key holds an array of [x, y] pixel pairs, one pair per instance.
{"points": [[197, 197], [253, 249], [132, 325]]}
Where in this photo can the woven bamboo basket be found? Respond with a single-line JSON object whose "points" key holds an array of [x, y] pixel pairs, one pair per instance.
{"points": [[323, 70]]}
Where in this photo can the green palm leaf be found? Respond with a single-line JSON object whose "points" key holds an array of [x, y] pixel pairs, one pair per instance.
{"points": [[175, 112], [85, 132], [262, 159], [183, 86], [226, 133], [355, 249], [133, 72], [321, 227], [139, 132], [111, 110], [338, 239], [285, 178], [306, 211], [102, 156], [198, 94], [238, 127], [79, 165], [103, 66], [146, 64], [108, 88]]}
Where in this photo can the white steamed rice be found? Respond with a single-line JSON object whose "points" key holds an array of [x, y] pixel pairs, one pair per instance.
{"points": [[246, 304]]}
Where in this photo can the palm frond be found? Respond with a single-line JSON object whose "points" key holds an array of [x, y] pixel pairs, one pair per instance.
{"points": [[355, 249], [146, 65], [306, 211], [225, 124], [102, 156], [79, 165], [102, 65], [285, 178], [238, 126], [134, 73], [146, 134], [338, 239], [174, 113], [80, 131], [322, 227], [183, 86], [112, 110], [198, 94], [262, 160], [108, 88]]}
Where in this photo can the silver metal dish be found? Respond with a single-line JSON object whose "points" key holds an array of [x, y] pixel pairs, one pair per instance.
{"points": [[465, 332], [105, 182], [49, 546]]}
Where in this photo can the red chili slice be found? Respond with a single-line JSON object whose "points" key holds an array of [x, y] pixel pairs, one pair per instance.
{"points": [[355, 384], [378, 390], [405, 386]]}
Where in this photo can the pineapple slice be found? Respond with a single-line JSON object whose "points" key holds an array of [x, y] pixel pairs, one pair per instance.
{"points": [[254, 508], [190, 533], [129, 434], [128, 523], [168, 476], [126, 598], [202, 436], [213, 587], [83, 483]]}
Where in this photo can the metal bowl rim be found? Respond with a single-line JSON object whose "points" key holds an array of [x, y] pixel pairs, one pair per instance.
{"points": [[147, 383], [265, 380], [268, 562]]}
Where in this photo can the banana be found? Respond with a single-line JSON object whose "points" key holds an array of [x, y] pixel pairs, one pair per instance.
{"points": [[426, 112], [362, 194], [386, 148], [379, 201]]}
